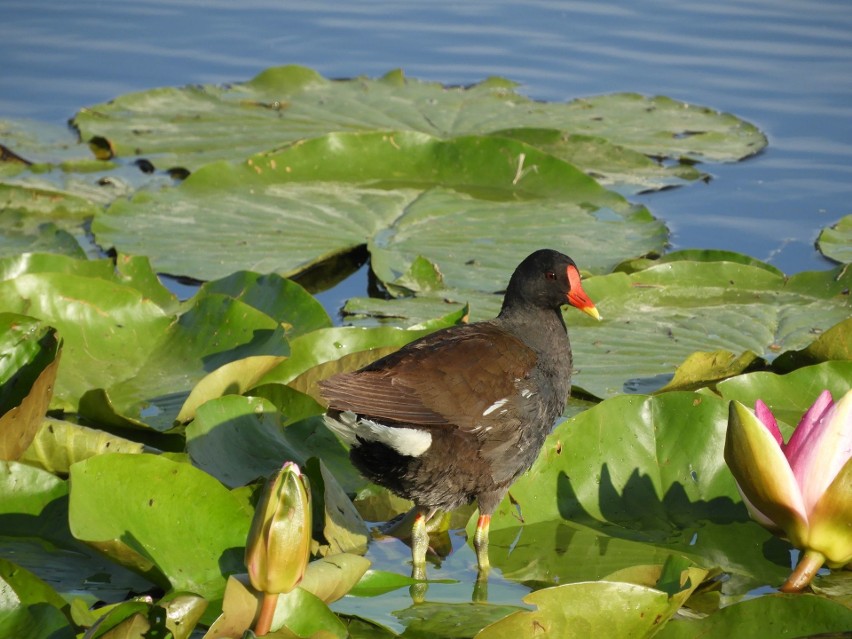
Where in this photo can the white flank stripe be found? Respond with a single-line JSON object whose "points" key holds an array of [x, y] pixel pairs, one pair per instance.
{"points": [[495, 406]]}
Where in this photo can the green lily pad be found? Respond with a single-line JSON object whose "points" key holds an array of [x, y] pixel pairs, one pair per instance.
{"points": [[40, 219], [29, 607], [789, 396], [403, 194], [835, 242], [29, 358], [283, 104], [783, 616], [657, 318], [125, 505], [603, 608], [695, 255], [339, 526], [239, 439], [330, 578], [450, 620], [122, 334], [35, 535], [608, 163], [58, 444], [644, 470]]}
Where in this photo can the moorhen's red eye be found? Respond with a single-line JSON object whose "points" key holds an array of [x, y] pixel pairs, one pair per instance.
{"points": [[550, 275]]}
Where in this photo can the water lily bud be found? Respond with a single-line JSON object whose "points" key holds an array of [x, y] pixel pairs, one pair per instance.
{"points": [[279, 541], [801, 490]]}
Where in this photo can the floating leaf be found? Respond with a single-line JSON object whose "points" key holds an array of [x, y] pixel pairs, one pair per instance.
{"points": [[338, 524], [789, 396], [239, 439], [654, 319], [194, 125], [404, 194], [122, 335], [596, 608], [125, 505], [58, 444], [34, 521], [332, 577], [29, 608], [41, 218], [29, 358], [634, 469], [835, 242], [771, 616], [450, 620]]}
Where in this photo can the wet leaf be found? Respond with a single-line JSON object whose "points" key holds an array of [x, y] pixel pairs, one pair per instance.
{"points": [[125, 505], [451, 620], [239, 439], [790, 395], [337, 524], [58, 444], [773, 615], [20, 422], [835, 242], [283, 104], [641, 478], [586, 609], [330, 578], [404, 194]]}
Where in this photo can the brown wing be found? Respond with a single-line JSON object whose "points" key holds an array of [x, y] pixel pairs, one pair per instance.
{"points": [[448, 378]]}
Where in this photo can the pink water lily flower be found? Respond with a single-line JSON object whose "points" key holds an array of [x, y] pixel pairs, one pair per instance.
{"points": [[801, 490]]}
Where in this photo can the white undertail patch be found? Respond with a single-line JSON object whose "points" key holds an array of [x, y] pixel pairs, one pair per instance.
{"points": [[410, 442]]}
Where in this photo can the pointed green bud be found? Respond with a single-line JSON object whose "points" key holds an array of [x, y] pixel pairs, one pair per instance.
{"points": [[279, 542]]}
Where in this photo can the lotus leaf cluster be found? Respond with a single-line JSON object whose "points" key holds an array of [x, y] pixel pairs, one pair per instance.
{"points": [[163, 331]]}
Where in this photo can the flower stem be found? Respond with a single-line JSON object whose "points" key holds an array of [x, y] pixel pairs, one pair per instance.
{"points": [[810, 562], [267, 612]]}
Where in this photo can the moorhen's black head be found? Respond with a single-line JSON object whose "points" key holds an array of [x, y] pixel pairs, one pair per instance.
{"points": [[547, 279]]}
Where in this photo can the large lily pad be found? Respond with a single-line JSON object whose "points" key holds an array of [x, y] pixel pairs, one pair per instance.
{"points": [[126, 505], [35, 535], [647, 472], [195, 125], [122, 334], [654, 319], [404, 194], [661, 315], [783, 616]]}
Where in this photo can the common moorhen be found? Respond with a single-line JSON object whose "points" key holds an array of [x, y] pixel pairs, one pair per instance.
{"points": [[459, 414]]}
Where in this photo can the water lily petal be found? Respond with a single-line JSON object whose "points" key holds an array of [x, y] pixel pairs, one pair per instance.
{"points": [[768, 419], [758, 516], [809, 422], [825, 443], [831, 520], [763, 474]]}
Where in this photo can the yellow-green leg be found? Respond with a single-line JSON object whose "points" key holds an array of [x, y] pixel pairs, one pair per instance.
{"points": [[419, 546], [480, 543]]}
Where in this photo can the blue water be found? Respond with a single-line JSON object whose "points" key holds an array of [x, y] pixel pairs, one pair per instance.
{"points": [[785, 65]]}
